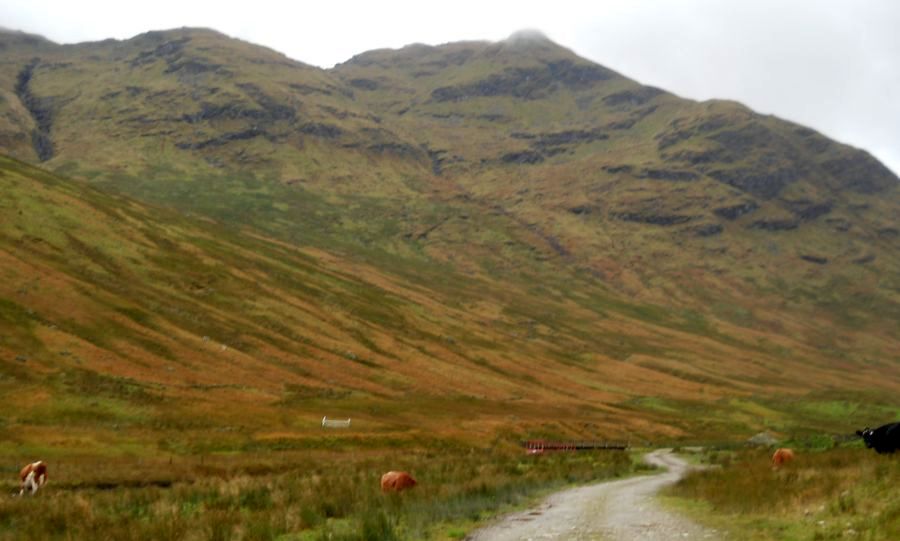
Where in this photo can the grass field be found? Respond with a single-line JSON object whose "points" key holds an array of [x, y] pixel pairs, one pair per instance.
{"points": [[307, 495], [845, 492]]}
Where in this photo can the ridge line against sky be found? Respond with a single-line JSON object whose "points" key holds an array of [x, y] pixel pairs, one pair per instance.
{"points": [[833, 65]]}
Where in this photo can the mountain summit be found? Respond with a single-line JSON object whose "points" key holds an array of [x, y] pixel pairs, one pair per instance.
{"points": [[529, 36]]}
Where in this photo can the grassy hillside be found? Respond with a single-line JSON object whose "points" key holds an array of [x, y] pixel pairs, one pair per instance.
{"points": [[463, 240], [487, 156], [125, 323], [648, 191]]}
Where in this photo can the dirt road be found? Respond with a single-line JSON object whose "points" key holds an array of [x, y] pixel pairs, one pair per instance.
{"points": [[611, 511]]}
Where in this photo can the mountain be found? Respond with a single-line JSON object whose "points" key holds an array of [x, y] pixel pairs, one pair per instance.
{"points": [[494, 234]]}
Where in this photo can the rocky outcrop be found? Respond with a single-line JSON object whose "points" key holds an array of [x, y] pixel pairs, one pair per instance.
{"points": [[274, 109], [761, 182], [809, 210], [437, 160], [742, 150], [812, 141], [744, 139], [814, 259], [249, 133], [527, 83], [701, 158], [617, 169], [236, 110], [492, 117], [674, 175], [775, 224], [40, 109], [403, 150], [523, 157], [544, 145], [546, 141], [654, 219], [177, 60], [632, 98], [364, 84], [860, 172], [633, 118], [169, 52], [130, 91], [192, 66], [267, 109], [734, 212], [746, 151], [839, 224], [681, 129], [581, 210], [318, 129], [327, 90], [707, 230]]}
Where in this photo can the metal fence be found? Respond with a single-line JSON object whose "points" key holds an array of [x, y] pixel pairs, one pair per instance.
{"points": [[540, 446]]}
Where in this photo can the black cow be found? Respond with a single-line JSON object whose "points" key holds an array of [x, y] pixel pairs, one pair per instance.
{"points": [[884, 439]]}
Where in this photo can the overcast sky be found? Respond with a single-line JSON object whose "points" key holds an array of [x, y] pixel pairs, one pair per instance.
{"points": [[830, 64]]}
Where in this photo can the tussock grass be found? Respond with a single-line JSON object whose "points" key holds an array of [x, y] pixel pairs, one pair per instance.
{"points": [[291, 495], [832, 494]]}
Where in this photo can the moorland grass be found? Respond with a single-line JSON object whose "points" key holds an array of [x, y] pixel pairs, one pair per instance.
{"points": [[837, 493], [292, 495]]}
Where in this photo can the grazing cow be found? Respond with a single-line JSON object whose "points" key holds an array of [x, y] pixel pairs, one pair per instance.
{"points": [[782, 456], [397, 481], [884, 439], [32, 477]]}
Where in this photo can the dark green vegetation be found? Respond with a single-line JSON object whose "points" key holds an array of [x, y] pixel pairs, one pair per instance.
{"points": [[451, 245], [835, 493]]}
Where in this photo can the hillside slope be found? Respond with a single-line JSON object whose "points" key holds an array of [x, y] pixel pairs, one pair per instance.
{"points": [[392, 148], [491, 234], [139, 316]]}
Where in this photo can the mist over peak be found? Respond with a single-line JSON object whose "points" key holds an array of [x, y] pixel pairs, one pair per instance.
{"points": [[531, 41], [528, 36]]}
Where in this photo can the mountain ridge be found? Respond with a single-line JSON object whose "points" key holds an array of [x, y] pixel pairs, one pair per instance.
{"points": [[577, 228]]}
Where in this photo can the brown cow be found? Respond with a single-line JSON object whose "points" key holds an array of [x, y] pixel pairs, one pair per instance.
{"points": [[782, 456], [32, 477], [396, 481]]}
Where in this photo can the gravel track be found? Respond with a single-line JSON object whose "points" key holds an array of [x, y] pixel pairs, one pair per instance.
{"points": [[622, 510]]}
